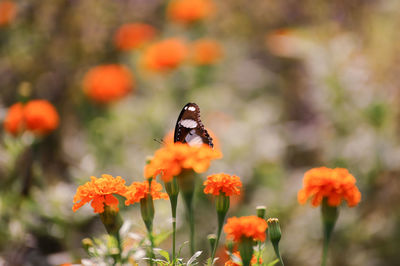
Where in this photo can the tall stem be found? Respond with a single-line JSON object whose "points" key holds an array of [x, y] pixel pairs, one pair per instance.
{"points": [[173, 192], [329, 217], [221, 219]]}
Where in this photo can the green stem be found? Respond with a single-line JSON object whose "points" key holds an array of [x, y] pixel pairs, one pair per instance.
{"points": [[172, 189], [152, 256], [221, 219], [329, 217], [278, 254]]}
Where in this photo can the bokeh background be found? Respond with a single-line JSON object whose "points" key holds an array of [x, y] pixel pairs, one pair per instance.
{"points": [[294, 85]]}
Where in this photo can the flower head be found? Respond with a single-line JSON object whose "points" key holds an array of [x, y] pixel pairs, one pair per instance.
{"points": [[8, 11], [246, 227], [108, 83], [14, 120], [334, 184], [37, 116], [217, 183], [40, 117], [139, 190], [165, 55], [206, 52], [189, 11], [173, 158], [133, 36], [99, 191]]}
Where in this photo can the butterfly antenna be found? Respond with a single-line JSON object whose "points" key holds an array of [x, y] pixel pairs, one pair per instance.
{"points": [[160, 141]]}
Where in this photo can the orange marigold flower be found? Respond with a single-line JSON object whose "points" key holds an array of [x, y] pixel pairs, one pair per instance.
{"points": [[206, 52], [100, 192], [173, 158], [237, 254], [14, 121], [165, 55], [334, 184], [108, 83], [217, 183], [8, 10], [139, 190], [246, 226], [40, 117], [133, 36], [189, 11]]}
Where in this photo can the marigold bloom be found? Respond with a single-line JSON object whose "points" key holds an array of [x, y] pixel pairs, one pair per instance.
{"points": [[237, 254], [139, 190], [217, 183], [100, 192], [173, 158], [8, 10], [206, 52], [133, 36], [334, 184], [108, 83], [189, 11], [38, 116], [14, 120], [246, 226], [165, 55]]}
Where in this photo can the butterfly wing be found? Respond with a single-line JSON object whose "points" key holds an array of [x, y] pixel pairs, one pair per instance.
{"points": [[189, 128]]}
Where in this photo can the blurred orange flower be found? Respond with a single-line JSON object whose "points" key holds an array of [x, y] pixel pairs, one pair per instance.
{"points": [[334, 184], [217, 183], [173, 158], [8, 10], [246, 226], [108, 83], [133, 36], [100, 192], [139, 190], [206, 52], [237, 254], [14, 120], [165, 55], [38, 116], [189, 11]]}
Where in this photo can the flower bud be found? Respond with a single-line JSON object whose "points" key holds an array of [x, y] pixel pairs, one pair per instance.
{"points": [[261, 211], [274, 230], [274, 233], [212, 239], [147, 211]]}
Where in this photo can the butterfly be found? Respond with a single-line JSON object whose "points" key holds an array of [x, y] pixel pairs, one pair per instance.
{"points": [[189, 129]]}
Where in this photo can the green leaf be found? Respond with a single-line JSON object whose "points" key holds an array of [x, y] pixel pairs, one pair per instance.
{"points": [[165, 254], [273, 262], [158, 239]]}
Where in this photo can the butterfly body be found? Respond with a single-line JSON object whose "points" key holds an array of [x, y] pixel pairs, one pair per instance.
{"points": [[189, 128]]}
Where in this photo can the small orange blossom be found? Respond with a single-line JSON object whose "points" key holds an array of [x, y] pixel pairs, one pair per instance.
{"points": [[133, 35], [334, 184], [100, 192], [252, 227], [217, 183], [108, 83], [206, 52], [165, 55], [139, 190], [8, 11], [173, 158], [189, 11]]}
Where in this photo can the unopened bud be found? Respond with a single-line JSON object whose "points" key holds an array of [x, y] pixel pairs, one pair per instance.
{"points": [[261, 211], [274, 230], [212, 239]]}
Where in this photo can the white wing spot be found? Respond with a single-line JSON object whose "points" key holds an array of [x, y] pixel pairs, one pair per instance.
{"points": [[192, 139], [191, 108], [188, 123], [185, 108]]}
